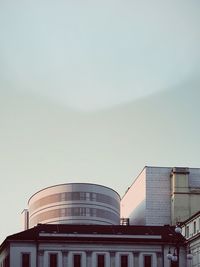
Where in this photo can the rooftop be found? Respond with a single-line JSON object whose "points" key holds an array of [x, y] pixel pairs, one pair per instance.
{"points": [[97, 233]]}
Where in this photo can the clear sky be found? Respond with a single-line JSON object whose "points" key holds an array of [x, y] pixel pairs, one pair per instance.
{"points": [[92, 91]]}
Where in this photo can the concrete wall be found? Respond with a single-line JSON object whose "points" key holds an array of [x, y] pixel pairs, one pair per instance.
{"points": [[133, 203], [147, 201], [159, 196], [158, 206]]}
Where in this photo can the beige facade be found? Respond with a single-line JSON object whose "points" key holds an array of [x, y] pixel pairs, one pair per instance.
{"points": [[162, 195], [185, 199], [185, 193]]}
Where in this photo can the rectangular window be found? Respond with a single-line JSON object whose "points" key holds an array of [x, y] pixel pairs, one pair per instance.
{"points": [[100, 261], [82, 196], [62, 196], [75, 211], [195, 227], [62, 212], [147, 261], [75, 196], [93, 196], [124, 261], [25, 259], [77, 260], [87, 211], [53, 260], [93, 212], [82, 211], [187, 231], [174, 264]]}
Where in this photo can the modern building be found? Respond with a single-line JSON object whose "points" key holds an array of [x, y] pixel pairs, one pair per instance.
{"points": [[158, 196], [162, 195], [191, 231], [78, 224], [65, 245], [73, 203]]}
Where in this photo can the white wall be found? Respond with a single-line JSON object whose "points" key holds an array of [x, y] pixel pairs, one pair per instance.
{"points": [[89, 252], [133, 203], [158, 196], [148, 199], [16, 251]]}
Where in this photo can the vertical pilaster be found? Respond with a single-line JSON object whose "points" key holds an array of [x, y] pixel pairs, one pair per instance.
{"points": [[136, 259], [159, 259], [64, 257], [41, 258]]}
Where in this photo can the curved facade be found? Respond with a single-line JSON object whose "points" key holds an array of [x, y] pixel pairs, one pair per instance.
{"points": [[75, 203]]}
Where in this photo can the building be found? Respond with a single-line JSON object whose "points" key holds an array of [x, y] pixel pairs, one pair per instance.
{"points": [[73, 203], [158, 196], [191, 231], [65, 245], [78, 224], [162, 195]]}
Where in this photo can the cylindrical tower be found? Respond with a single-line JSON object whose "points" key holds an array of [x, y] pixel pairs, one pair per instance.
{"points": [[75, 203]]}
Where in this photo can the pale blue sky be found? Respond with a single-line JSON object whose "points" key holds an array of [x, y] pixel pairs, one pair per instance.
{"points": [[93, 91]]}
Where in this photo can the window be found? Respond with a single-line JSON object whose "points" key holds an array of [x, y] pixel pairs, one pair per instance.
{"points": [[93, 212], [76, 211], [194, 227], [53, 260], [100, 261], [87, 196], [75, 196], [82, 211], [82, 195], [124, 261], [93, 196], [147, 261], [187, 231], [62, 196], [174, 264], [25, 259], [62, 212], [77, 260]]}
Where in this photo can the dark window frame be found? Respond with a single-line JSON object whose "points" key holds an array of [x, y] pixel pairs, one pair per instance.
{"points": [[148, 261], [123, 260], [101, 260], [77, 258], [25, 259], [53, 259]]}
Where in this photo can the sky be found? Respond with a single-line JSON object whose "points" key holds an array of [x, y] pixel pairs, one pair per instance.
{"points": [[93, 91]]}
